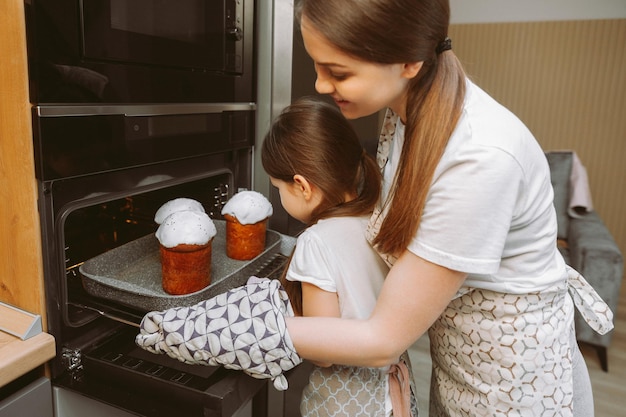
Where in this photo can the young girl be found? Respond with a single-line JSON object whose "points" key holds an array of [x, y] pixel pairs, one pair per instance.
{"points": [[327, 181], [466, 221]]}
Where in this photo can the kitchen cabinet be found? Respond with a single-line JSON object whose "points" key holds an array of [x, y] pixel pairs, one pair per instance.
{"points": [[24, 391], [21, 273], [23, 348], [21, 270], [23, 344], [17, 357], [34, 400]]}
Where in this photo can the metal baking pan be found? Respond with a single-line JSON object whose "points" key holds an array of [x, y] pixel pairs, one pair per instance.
{"points": [[131, 274]]}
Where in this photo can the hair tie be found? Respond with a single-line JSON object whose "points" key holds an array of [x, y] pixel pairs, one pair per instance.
{"points": [[444, 45]]}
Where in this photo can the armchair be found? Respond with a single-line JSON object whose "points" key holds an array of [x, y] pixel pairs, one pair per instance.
{"points": [[587, 246]]}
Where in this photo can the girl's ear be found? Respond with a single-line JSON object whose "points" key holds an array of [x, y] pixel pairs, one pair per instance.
{"points": [[304, 186], [411, 69]]}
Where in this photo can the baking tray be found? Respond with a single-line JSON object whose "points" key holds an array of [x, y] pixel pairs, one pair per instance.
{"points": [[131, 274]]}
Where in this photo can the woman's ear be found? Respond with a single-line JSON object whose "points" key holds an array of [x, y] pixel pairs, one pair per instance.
{"points": [[303, 186], [411, 69]]}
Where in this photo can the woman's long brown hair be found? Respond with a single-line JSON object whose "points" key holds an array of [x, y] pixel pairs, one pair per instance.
{"points": [[402, 31], [313, 139]]}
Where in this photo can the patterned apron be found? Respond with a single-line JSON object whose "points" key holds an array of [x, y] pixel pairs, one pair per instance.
{"points": [[504, 354], [347, 391]]}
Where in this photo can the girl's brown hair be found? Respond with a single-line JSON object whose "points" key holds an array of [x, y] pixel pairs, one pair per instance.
{"points": [[402, 31], [313, 139]]}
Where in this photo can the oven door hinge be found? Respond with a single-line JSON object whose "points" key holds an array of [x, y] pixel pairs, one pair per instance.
{"points": [[73, 361]]}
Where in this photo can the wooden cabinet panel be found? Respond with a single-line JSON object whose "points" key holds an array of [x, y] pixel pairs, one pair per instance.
{"points": [[21, 271]]}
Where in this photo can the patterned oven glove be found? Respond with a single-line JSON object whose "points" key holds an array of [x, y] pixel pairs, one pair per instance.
{"points": [[243, 329]]}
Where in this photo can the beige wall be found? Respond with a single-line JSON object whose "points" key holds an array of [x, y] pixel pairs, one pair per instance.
{"points": [[567, 81]]}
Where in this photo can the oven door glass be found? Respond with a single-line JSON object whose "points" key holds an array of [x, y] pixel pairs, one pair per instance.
{"points": [[201, 34]]}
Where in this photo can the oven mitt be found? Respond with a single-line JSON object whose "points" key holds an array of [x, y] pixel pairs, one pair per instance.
{"points": [[243, 329]]}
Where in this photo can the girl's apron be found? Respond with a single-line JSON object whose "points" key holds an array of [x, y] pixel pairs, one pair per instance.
{"points": [[504, 354], [347, 391]]}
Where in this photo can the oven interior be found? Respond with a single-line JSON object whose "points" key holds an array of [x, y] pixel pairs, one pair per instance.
{"points": [[86, 216], [95, 228]]}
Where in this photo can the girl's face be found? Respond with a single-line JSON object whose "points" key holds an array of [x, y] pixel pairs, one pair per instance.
{"points": [[359, 88], [296, 198]]}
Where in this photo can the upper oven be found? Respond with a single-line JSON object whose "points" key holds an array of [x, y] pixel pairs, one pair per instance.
{"points": [[141, 51]]}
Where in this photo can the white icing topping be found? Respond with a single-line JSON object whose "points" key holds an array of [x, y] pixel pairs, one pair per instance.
{"points": [[248, 207], [178, 204], [189, 227]]}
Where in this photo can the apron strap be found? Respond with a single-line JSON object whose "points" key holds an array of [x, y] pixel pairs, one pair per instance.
{"points": [[590, 305]]}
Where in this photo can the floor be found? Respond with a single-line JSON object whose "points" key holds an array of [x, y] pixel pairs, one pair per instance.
{"points": [[609, 388]]}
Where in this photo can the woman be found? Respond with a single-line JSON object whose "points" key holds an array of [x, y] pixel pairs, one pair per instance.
{"points": [[466, 221]]}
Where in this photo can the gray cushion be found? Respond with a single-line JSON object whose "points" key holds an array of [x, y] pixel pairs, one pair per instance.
{"points": [[560, 170], [586, 245]]}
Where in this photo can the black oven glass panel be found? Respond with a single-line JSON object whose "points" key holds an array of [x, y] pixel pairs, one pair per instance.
{"points": [[141, 51], [200, 34], [79, 145]]}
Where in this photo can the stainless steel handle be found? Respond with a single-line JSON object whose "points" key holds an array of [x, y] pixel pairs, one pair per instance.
{"points": [[62, 110], [107, 315]]}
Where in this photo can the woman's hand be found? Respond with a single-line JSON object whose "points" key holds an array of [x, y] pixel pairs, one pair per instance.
{"points": [[243, 329], [414, 294]]}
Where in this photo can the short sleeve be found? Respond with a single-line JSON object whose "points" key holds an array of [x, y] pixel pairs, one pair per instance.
{"points": [[312, 263], [469, 210]]}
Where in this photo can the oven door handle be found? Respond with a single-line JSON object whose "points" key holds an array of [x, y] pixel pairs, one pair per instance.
{"points": [[62, 110]]}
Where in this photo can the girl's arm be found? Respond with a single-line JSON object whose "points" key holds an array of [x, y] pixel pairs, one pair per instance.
{"points": [[319, 303], [414, 294]]}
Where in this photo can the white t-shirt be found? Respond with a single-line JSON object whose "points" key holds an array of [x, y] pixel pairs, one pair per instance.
{"points": [[335, 256], [489, 211]]}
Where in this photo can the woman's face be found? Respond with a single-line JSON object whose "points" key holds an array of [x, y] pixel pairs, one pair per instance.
{"points": [[359, 88]]}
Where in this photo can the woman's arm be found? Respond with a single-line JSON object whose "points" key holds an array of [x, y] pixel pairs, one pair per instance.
{"points": [[414, 294], [319, 303]]}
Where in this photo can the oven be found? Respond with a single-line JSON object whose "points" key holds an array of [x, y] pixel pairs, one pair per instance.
{"points": [[141, 51], [137, 102], [101, 178]]}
